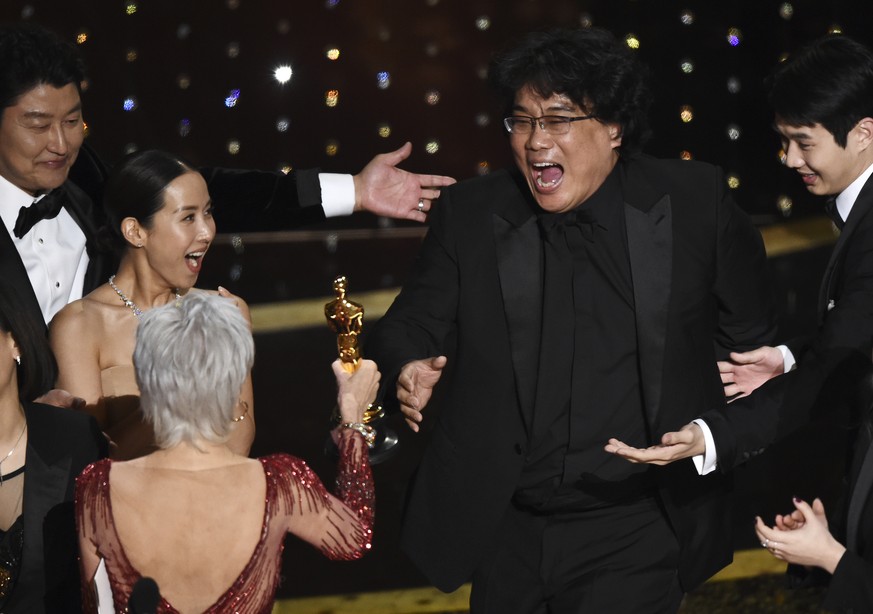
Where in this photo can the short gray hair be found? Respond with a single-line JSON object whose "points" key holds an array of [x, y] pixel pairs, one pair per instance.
{"points": [[192, 357]]}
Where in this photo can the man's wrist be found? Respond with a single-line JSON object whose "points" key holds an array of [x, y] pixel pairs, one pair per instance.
{"points": [[708, 461], [337, 194], [788, 361]]}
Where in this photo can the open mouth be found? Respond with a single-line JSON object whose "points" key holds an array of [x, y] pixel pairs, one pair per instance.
{"points": [[808, 178], [547, 176], [194, 260]]}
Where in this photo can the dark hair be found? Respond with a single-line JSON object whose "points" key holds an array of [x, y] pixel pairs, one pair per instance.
{"points": [[590, 66], [30, 56], [38, 370], [829, 82], [135, 188]]}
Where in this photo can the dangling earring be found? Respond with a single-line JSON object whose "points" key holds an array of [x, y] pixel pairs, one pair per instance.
{"points": [[18, 360]]}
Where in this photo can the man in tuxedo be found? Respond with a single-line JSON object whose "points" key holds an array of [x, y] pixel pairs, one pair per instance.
{"points": [[48, 248], [823, 102], [589, 291]]}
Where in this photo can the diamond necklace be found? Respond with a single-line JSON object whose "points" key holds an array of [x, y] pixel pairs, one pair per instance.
{"points": [[129, 303], [8, 454]]}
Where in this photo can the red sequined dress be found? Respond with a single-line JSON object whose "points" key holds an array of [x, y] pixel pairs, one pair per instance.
{"points": [[294, 497]]}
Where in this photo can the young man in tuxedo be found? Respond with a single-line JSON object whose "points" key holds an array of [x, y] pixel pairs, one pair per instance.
{"points": [[592, 289], [823, 102], [48, 247]]}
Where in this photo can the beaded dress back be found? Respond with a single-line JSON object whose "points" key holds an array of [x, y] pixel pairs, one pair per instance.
{"points": [[296, 502]]}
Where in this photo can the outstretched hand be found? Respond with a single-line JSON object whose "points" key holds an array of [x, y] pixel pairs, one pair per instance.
{"points": [[415, 387], [685, 443], [383, 189], [807, 541], [746, 371]]}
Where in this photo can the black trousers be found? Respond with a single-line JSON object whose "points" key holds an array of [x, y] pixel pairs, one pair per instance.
{"points": [[621, 559]]}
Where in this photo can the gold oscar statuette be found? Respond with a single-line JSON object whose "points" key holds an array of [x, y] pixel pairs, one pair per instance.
{"points": [[346, 319]]}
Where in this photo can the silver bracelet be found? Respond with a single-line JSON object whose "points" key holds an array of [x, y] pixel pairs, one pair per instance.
{"points": [[367, 431]]}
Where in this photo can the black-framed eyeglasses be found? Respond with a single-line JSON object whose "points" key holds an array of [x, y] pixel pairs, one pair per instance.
{"points": [[550, 124]]}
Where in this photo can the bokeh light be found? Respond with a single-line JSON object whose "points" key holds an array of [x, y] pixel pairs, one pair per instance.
{"points": [[283, 73], [734, 37]]}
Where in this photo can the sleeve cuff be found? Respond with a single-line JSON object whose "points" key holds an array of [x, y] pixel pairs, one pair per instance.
{"points": [[337, 194], [788, 361], [706, 462]]}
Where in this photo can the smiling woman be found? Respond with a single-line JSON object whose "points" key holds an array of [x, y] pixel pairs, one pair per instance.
{"points": [[160, 218]]}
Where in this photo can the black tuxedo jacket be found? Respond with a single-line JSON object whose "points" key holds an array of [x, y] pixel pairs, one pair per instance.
{"points": [[101, 265], [699, 291], [830, 363], [60, 444]]}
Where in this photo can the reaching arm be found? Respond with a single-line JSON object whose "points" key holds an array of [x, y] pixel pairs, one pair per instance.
{"points": [[340, 526], [742, 288], [252, 200], [383, 189]]}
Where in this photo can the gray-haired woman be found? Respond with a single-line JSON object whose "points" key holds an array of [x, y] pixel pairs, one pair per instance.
{"points": [[208, 524]]}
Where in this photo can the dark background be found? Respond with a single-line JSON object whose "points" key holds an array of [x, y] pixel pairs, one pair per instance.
{"points": [[143, 49], [216, 46]]}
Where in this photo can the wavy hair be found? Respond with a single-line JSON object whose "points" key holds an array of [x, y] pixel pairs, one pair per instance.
{"points": [[590, 66]]}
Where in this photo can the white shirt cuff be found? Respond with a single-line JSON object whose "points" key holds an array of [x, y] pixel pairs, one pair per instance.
{"points": [[706, 462], [788, 361], [337, 194]]}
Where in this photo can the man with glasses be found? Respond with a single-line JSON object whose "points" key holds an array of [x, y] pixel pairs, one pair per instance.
{"points": [[588, 292]]}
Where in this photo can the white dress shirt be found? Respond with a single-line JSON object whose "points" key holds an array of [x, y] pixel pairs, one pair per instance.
{"points": [[337, 194], [53, 252]]}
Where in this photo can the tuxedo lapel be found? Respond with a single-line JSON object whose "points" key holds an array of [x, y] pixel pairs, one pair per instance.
{"points": [[14, 275], [520, 268], [649, 223], [860, 209], [83, 211]]}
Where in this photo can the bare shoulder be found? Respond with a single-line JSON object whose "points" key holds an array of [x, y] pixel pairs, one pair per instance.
{"points": [[91, 314]]}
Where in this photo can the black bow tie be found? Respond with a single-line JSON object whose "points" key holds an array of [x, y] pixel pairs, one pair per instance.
{"points": [[833, 213], [46, 208], [555, 223]]}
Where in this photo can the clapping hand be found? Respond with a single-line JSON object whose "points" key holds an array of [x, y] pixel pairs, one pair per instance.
{"points": [[802, 537]]}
